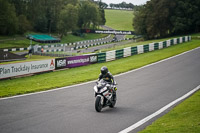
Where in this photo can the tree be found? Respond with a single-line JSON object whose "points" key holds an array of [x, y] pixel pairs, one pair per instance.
{"points": [[8, 18], [139, 21], [89, 15], [68, 19], [161, 18], [186, 17], [102, 6], [24, 24]]}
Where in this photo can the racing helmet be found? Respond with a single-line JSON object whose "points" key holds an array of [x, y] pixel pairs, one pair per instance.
{"points": [[104, 70]]}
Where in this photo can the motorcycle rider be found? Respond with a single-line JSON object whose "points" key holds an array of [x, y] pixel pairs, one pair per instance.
{"points": [[107, 76]]}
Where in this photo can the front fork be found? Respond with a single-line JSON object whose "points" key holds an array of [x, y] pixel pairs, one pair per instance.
{"points": [[102, 98]]}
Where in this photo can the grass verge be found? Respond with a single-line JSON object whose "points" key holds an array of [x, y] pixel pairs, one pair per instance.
{"points": [[71, 38], [28, 59], [184, 118], [82, 74]]}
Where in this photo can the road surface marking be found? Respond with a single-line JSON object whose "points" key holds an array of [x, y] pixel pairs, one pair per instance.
{"points": [[141, 122]]}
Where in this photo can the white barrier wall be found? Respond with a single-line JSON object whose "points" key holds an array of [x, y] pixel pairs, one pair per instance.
{"points": [[181, 40], [175, 40], [186, 38], [168, 43], [151, 47], [110, 55], [160, 45], [17, 69], [140, 49], [127, 52]]}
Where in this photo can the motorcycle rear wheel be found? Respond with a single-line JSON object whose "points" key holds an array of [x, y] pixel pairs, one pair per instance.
{"points": [[98, 105]]}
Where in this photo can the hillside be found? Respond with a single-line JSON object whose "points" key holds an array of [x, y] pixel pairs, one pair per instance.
{"points": [[119, 19]]}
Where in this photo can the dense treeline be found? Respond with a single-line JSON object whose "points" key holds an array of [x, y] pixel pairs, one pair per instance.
{"points": [[162, 18], [122, 5], [48, 16]]}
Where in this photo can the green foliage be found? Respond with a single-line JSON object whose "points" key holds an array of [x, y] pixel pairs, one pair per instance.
{"points": [[48, 16], [24, 24], [89, 15], [186, 16], [122, 5], [68, 19], [8, 18], [162, 18]]}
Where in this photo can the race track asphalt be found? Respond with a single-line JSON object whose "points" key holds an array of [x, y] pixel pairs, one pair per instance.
{"points": [[71, 110]]}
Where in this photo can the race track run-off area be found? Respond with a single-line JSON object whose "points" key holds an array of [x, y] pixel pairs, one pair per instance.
{"points": [[140, 92]]}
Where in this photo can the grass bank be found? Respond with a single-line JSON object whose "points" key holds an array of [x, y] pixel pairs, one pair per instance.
{"points": [[119, 19], [184, 118], [82, 74], [71, 38]]}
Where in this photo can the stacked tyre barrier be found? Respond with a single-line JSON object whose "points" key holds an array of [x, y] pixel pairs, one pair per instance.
{"points": [[117, 54]]}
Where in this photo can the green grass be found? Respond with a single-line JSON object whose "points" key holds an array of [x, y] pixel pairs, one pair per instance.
{"points": [[83, 74], [185, 118], [71, 38], [21, 42], [119, 19], [32, 58]]}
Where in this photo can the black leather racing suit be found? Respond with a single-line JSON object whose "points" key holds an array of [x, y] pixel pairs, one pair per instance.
{"points": [[107, 77]]}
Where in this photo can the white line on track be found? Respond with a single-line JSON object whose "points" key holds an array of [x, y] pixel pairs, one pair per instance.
{"points": [[95, 80], [141, 122]]}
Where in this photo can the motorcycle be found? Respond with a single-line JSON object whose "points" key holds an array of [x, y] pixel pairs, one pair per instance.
{"points": [[105, 95]]}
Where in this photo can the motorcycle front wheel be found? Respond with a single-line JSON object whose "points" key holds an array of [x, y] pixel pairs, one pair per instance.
{"points": [[98, 105]]}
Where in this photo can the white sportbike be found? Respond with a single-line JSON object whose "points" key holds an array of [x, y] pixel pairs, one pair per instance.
{"points": [[105, 95]]}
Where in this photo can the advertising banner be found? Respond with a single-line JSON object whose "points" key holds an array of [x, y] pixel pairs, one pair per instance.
{"points": [[11, 70], [117, 32], [60, 63], [93, 58], [77, 61]]}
